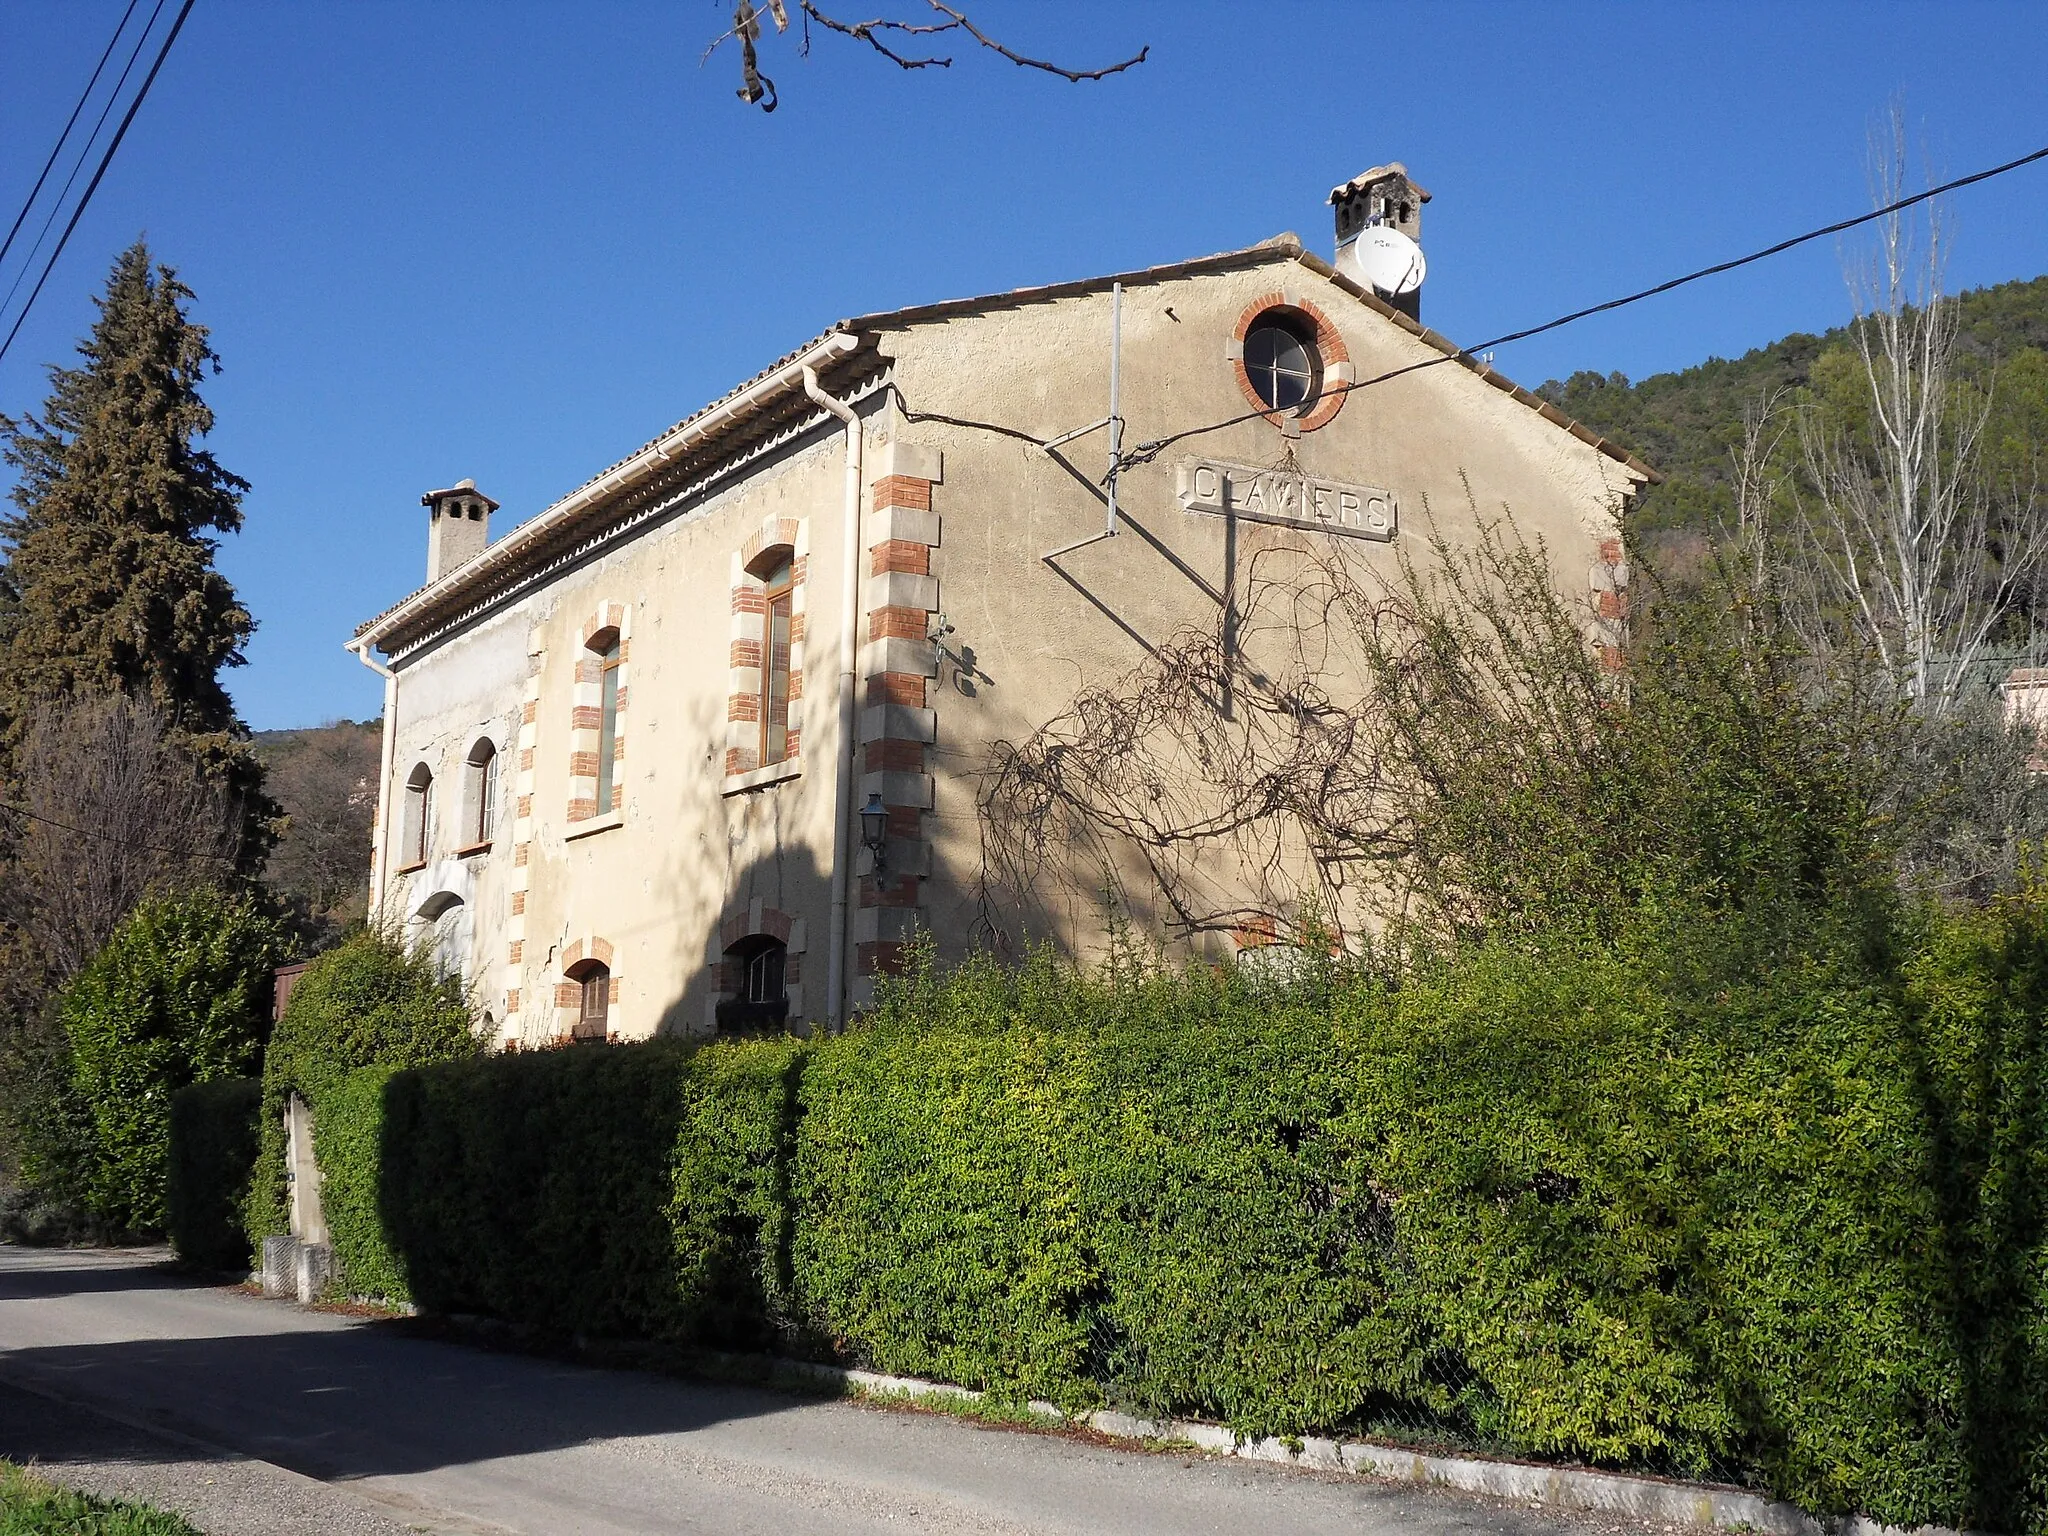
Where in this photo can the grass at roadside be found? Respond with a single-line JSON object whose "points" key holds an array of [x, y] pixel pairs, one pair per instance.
{"points": [[29, 1506]]}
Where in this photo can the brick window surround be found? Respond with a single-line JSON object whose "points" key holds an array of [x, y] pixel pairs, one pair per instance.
{"points": [[611, 623], [576, 960], [778, 541], [756, 920], [1286, 304]]}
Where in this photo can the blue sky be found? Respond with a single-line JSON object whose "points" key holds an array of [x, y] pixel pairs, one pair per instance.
{"points": [[512, 240]]}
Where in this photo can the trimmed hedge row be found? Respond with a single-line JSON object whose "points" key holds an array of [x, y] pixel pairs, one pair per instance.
{"points": [[1654, 1207], [213, 1137]]}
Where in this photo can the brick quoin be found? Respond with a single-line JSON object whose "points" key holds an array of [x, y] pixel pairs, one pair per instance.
{"points": [[898, 624], [738, 760], [743, 706], [512, 1000], [906, 821], [889, 891], [587, 717], [521, 855], [884, 959], [796, 687], [526, 759], [567, 994], [896, 688], [903, 491], [524, 807], [582, 765], [518, 902], [582, 810], [1613, 605], [749, 600], [905, 555], [518, 951], [529, 712], [1610, 551], [590, 670], [797, 626], [895, 757]]}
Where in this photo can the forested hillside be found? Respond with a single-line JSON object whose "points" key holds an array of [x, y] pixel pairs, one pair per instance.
{"points": [[325, 778], [1688, 424]]}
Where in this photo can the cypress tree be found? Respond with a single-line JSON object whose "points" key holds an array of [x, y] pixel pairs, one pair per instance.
{"points": [[109, 576]]}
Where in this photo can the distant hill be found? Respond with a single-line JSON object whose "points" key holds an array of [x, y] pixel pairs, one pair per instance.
{"points": [[1688, 424], [325, 777]]}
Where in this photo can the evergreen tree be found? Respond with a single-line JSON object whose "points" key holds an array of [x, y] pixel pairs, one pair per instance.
{"points": [[109, 576]]}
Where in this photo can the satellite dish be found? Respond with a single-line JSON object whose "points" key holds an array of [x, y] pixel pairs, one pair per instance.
{"points": [[1388, 259]]}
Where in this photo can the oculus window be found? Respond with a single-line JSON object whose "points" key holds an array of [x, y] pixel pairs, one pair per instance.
{"points": [[1281, 360]]}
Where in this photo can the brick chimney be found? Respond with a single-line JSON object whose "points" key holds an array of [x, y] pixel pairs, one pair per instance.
{"points": [[1383, 195], [458, 527]]}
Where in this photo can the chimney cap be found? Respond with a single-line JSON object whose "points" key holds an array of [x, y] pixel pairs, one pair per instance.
{"points": [[462, 487], [1378, 173]]}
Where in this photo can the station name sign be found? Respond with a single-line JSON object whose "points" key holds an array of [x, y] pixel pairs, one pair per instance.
{"points": [[1288, 498]]}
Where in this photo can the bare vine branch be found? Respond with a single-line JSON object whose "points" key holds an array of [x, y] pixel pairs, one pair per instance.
{"points": [[756, 87]]}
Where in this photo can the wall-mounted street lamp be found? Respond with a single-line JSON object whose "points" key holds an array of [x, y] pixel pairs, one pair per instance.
{"points": [[874, 830]]}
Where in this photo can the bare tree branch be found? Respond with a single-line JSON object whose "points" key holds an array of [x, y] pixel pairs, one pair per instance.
{"points": [[757, 87]]}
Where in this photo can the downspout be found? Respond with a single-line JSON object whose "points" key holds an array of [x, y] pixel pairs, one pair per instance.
{"points": [[379, 852], [849, 641]]}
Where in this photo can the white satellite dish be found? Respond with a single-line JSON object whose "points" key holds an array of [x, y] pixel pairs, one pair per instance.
{"points": [[1388, 259]]}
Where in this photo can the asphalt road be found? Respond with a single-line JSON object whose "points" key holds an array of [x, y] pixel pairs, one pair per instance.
{"points": [[255, 1416]]}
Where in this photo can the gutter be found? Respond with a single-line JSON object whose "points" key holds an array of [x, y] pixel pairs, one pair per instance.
{"points": [[849, 641], [388, 751], [641, 466]]}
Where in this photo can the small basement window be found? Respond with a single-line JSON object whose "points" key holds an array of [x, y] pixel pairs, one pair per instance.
{"points": [[1281, 360], [594, 996]]}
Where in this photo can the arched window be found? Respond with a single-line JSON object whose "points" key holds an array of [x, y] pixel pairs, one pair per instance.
{"points": [[779, 595], [417, 832], [593, 979], [758, 968], [482, 793]]}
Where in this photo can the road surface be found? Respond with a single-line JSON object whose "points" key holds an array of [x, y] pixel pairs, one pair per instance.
{"points": [[257, 1416]]}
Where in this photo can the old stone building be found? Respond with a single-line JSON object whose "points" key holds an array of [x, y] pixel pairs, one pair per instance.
{"points": [[702, 743]]}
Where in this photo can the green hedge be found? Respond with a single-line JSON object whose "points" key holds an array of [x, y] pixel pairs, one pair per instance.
{"points": [[214, 1137], [1653, 1205], [373, 1002], [615, 1191]]}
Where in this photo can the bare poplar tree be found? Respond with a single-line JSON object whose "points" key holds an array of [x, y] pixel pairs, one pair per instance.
{"points": [[1913, 548], [112, 807]]}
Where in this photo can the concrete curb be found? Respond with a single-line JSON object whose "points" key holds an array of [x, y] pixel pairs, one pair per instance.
{"points": [[1665, 1501]]}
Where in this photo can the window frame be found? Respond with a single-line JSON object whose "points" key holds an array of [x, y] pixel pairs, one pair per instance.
{"points": [[593, 979], [610, 659], [1282, 323], [778, 598], [482, 766], [416, 829]]}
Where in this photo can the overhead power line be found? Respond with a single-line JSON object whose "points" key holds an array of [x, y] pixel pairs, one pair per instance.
{"points": [[1145, 452], [72, 122], [63, 197], [11, 809], [106, 159]]}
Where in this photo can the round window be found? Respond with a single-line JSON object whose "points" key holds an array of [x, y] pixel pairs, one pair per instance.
{"points": [[1282, 364]]}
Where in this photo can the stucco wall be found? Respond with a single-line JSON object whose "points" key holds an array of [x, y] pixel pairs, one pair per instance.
{"points": [[1453, 448], [660, 888]]}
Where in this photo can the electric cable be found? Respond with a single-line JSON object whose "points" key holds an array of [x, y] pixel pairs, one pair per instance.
{"points": [[107, 837], [58, 148], [84, 154], [1145, 452], [105, 160]]}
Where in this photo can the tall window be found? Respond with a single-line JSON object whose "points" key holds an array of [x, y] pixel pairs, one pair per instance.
{"points": [[483, 792], [608, 723], [775, 665], [593, 1016], [418, 831]]}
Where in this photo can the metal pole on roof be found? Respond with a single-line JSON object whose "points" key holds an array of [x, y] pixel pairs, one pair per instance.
{"points": [[1116, 422]]}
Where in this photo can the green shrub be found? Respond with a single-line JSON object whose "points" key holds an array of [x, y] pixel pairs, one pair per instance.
{"points": [[179, 995], [214, 1137], [371, 1002], [617, 1191]]}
